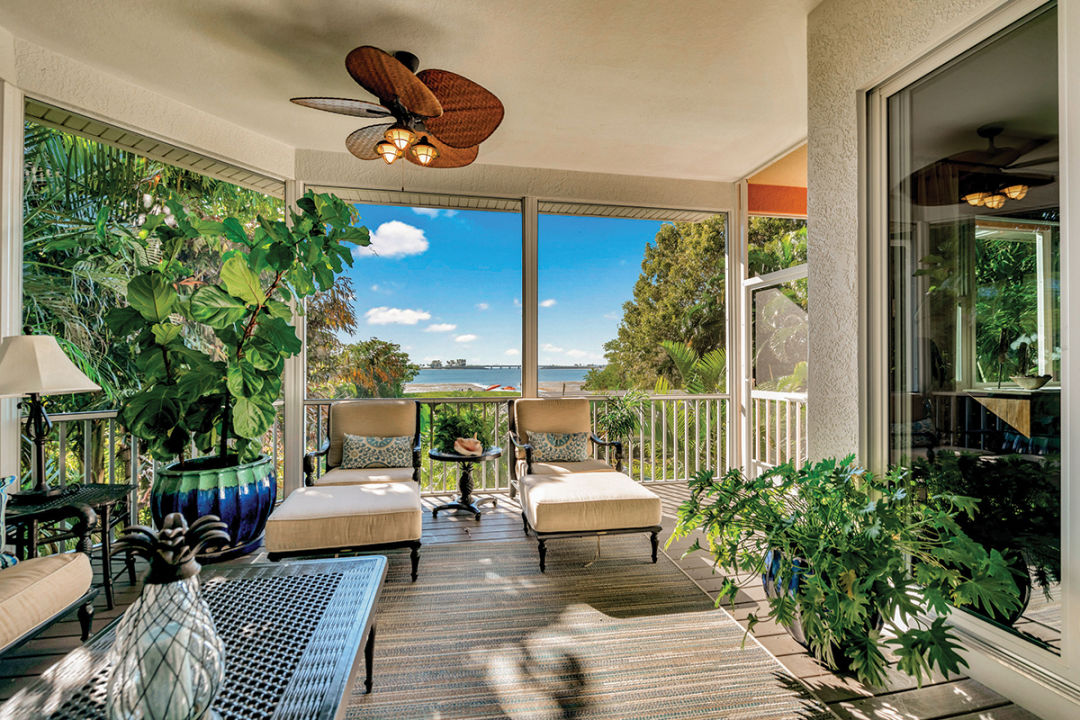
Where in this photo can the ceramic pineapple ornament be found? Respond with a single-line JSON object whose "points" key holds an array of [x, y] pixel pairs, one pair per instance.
{"points": [[167, 661]]}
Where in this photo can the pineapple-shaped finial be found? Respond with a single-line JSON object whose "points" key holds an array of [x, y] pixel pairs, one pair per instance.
{"points": [[172, 550]]}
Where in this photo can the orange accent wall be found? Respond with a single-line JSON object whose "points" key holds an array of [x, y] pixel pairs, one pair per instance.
{"points": [[776, 200]]}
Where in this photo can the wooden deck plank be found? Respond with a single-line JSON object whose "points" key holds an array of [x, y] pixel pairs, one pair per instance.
{"points": [[954, 698]]}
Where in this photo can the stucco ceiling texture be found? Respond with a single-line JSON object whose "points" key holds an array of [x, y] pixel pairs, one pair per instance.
{"points": [[702, 89]]}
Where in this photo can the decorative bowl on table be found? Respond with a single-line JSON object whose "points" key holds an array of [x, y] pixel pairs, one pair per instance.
{"points": [[468, 446], [1030, 382]]}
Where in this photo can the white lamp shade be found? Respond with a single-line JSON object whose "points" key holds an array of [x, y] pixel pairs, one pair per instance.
{"points": [[36, 364]]}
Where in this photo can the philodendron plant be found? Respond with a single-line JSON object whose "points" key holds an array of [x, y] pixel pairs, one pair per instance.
{"points": [[211, 355], [858, 555]]}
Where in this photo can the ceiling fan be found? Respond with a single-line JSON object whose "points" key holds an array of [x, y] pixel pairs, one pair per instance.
{"points": [[436, 118], [981, 177]]}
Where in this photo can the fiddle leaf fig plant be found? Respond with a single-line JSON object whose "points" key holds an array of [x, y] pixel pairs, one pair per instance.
{"points": [[211, 354]]}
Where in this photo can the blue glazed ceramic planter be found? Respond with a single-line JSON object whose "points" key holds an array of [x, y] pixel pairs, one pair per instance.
{"points": [[241, 495]]}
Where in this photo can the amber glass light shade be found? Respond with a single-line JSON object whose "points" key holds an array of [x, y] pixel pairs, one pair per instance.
{"points": [[424, 152], [400, 136], [976, 198], [994, 201], [1016, 192], [388, 152]]}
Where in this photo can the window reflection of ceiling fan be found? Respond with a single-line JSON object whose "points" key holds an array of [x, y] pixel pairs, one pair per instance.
{"points": [[439, 118], [981, 177]]}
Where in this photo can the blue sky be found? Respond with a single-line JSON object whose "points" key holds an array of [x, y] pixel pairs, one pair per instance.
{"points": [[446, 284]]}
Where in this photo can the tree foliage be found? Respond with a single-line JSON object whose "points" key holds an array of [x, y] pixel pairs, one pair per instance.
{"points": [[679, 297], [775, 243], [192, 393]]}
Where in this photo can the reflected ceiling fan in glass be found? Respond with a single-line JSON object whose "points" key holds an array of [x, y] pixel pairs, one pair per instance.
{"points": [[440, 117]]}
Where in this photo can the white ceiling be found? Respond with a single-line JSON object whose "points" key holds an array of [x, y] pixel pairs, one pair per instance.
{"points": [[701, 89]]}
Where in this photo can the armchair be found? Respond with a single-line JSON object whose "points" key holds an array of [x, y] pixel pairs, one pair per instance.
{"points": [[379, 418]]}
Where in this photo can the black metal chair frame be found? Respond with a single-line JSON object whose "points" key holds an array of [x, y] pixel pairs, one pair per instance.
{"points": [[543, 537], [311, 460]]}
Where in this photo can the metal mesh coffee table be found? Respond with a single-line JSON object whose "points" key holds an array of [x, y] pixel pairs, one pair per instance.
{"points": [[292, 631]]}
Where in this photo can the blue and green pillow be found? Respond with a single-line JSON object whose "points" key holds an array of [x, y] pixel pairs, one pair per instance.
{"points": [[361, 452], [559, 447]]}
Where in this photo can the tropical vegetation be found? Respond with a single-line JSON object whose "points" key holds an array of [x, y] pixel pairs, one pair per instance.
{"points": [[220, 394], [858, 565]]}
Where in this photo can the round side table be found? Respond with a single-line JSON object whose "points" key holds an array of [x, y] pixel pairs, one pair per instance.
{"points": [[465, 483]]}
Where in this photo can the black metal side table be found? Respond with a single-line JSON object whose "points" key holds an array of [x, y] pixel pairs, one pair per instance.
{"points": [[100, 497], [465, 483]]}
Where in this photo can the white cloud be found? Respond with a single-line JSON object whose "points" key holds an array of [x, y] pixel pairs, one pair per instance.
{"points": [[440, 327], [548, 347], [467, 338], [482, 306], [395, 239], [578, 353], [517, 303], [374, 288], [611, 316], [395, 316], [550, 302], [512, 352], [434, 212]]}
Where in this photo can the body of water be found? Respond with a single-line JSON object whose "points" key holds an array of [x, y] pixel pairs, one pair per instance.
{"points": [[491, 376]]}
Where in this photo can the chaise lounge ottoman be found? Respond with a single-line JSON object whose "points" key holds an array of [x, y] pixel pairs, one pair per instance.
{"points": [[371, 516], [586, 504]]}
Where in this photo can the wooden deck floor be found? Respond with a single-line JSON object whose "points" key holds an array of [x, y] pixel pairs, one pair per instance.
{"points": [[956, 698]]}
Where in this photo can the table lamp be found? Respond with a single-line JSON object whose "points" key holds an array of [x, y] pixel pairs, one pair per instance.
{"points": [[34, 365]]}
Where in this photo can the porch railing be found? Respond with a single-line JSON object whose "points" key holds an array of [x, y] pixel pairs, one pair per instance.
{"points": [[679, 435], [778, 428]]}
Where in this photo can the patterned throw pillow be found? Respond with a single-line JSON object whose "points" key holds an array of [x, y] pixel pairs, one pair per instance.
{"points": [[6, 560], [559, 447], [359, 451]]}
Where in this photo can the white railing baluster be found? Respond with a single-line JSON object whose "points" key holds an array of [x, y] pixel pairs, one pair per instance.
{"points": [[61, 459], [112, 451], [88, 451]]}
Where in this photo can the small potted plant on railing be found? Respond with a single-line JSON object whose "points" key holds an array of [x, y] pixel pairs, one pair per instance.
{"points": [[844, 555], [211, 354]]}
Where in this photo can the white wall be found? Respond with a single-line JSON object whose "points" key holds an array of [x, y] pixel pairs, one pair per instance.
{"points": [[852, 46]]}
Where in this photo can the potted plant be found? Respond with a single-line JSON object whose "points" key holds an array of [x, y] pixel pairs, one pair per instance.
{"points": [[620, 418], [211, 354], [451, 428], [844, 555], [1019, 514]]}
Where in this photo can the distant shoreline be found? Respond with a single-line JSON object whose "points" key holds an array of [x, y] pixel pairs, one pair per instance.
{"points": [[512, 367]]}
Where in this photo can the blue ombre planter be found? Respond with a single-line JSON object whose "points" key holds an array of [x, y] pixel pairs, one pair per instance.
{"points": [[241, 495]]}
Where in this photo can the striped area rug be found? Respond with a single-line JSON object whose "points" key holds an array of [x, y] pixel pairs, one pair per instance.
{"points": [[483, 634]]}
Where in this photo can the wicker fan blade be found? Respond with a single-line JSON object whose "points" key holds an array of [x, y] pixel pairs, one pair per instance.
{"points": [[470, 112], [361, 143], [449, 157], [343, 106], [386, 78]]}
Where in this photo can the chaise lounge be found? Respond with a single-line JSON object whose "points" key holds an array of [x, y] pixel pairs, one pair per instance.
{"points": [[363, 501], [565, 490]]}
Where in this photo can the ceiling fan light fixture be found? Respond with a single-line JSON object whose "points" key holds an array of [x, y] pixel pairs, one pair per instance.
{"points": [[388, 152], [425, 152], [400, 136], [994, 201], [976, 199], [1015, 192]]}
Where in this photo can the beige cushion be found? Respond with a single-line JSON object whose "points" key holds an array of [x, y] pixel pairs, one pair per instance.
{"points": [[34, 590], [561, 415], [562, 468], [587, 502], [370, 418], [341, 476], [333, 516]]}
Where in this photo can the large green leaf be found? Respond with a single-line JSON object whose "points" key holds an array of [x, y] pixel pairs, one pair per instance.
{"points": [[124, 320], [711, 368], [241, 281], [278, 333], [243, 379], [251, 418], [151, 296], [165, 333], [217, 308]]}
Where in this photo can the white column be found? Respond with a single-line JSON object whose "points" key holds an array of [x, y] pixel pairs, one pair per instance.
{"points": [[739, 341], [529, 297], [295, 380], [11, 249]]}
